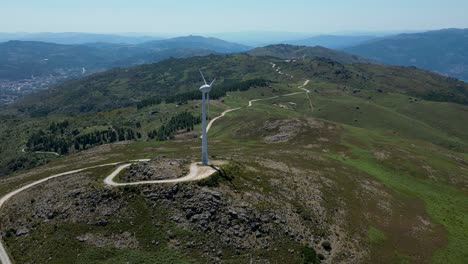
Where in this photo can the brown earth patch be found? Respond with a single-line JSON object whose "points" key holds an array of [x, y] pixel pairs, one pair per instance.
{"points": [[156, 169], [281, 130], [120, 241]]}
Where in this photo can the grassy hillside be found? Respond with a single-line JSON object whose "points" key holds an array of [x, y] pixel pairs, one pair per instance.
{"points": [[369, 167], [126, 87], [403, 94], [362, 79]]}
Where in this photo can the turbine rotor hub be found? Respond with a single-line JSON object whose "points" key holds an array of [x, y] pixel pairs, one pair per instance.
{"points": [[205, 88]]}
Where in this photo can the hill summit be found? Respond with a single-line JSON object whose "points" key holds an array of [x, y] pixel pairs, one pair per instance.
{"points": [[285, 51]]}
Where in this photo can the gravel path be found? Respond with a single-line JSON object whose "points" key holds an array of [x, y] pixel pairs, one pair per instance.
{"points": [[197, 172], [4, 258]]}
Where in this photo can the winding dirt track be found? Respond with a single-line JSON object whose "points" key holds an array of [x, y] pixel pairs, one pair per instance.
{"points": [[197, 172], [307, 93], [218, 117], [41, 152], [3, 254]]}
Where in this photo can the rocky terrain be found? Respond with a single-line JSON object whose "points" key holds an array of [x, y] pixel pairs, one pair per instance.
{"points": [[157, 169], [228, 220]]}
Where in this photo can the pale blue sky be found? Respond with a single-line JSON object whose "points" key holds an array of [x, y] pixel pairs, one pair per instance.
{"points": [[208, 16]]}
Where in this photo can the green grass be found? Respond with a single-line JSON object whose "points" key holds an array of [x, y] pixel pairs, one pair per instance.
{"points": [[114, 256], [344, 109], [445, 204], [448, 117], [375, 235]]}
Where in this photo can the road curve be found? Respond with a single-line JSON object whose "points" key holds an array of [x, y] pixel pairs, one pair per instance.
{"points": [[277, 69], [302, 86], [255, 100], [197, 172], [4, 258], [218, 117], [41, 152], [261, 99], [273, 97], [307, 93]]}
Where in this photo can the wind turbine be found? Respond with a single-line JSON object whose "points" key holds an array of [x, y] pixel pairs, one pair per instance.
{"points": [[205, 89]]}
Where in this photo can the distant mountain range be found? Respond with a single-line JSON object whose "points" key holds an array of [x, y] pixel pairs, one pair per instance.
{"points": [[259, 38], [196, 42], [24, 59], [334, 41], [331, 41], [76, 38], [284, 51], [247, 38], [443, 51]]}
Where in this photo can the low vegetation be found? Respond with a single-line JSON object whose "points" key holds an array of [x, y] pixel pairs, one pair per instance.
{"points": [[61, 138], [226, 173], [219, 90], [183, 121]]}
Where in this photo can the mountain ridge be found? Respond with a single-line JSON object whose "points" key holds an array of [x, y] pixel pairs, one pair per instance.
{"points": [[332, 41], [210, 43], [23, 59], [444, 51], [71, 38], [287, 51]]}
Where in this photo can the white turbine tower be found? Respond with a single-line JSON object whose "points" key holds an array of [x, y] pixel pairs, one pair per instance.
{"points": [[205, 89]]}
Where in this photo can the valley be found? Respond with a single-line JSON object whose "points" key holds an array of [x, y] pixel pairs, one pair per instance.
{"points": [[10, 91], [30, 66]]}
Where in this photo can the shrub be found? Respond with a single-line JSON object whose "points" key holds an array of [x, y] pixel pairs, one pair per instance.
{"points": [[309, 255]]}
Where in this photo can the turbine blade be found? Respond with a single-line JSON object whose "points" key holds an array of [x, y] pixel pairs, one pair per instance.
{"points": [[213, 81], [202, 76]]}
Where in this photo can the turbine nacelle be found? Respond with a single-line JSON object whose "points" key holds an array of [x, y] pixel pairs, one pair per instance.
{"points": [[205, 88]]}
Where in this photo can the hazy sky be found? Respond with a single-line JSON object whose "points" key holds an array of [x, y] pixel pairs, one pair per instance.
{"points": [[208, 16]]}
